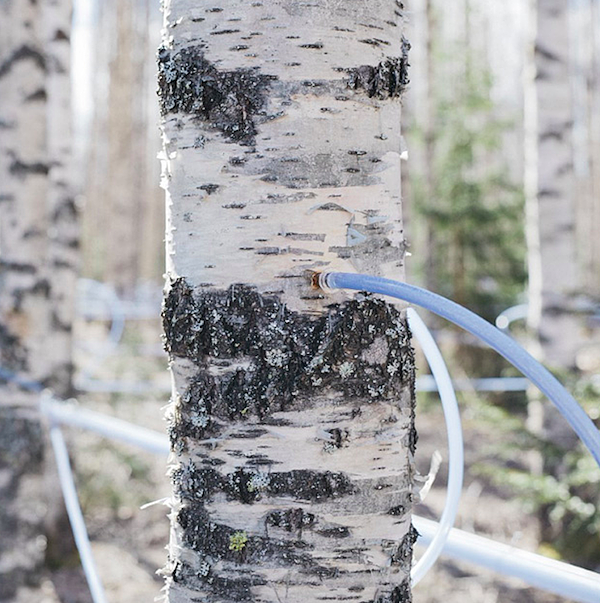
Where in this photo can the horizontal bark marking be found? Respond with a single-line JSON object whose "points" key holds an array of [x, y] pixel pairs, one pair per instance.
{"points": [[221, 32], [388, 79], [21, 267], [257, 357], [546, 53], [39, 95], [219, 542], [312, 46], [22, 169], [23, 53], [374, 42], [228, 100], [199, 484]]}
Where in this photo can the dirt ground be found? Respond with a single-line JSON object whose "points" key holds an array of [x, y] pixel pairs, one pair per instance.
{"points": [[114, 481]]}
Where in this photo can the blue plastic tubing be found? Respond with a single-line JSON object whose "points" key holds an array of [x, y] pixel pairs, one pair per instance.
{"points": [[479, 327]]}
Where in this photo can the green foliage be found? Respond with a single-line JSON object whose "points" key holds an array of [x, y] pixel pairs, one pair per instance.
{"points": [[569, 503], [474, 213]]}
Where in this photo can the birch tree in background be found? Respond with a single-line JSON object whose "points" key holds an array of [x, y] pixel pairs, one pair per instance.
{"points": [[122, 172], [291, 420], [38, 252], [549, 186]]}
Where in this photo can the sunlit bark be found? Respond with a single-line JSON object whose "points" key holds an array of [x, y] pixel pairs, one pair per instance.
{"points": [[291, 419]]}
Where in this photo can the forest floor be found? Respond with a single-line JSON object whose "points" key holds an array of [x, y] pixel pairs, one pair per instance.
{"points": [[115, 480]]}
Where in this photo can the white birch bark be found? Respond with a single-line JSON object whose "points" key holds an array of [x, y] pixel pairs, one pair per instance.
{"points": [[291, 419], [584, 31], [38, 244], [549, 186], [122, 167]]}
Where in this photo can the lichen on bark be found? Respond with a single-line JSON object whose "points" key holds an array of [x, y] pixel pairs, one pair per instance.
{"points": [[388, 79], [229, 101], [342, 381]]}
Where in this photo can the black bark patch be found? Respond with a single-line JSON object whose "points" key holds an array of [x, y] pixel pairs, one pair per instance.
{"points": [[198, 484], [400, 594], [13, 356], [21, 169], [209, 188], [224, 587], [38, 95], [334, 532], [224, 543], [21, 456], [403, 554], [221, 32], [272, 359], [310, 485], [23, 53], [388, 79], [229, 101], [291, 520], [61, 35]]}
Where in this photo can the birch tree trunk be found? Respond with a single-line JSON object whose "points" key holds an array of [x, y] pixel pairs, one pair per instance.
{"points": [[551, 222], [291, 420], [38, 248], [549, 186]]}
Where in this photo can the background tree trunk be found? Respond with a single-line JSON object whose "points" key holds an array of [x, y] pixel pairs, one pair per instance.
{"points": [[124, 216], [555, 276], [38, 250], [291, 418], [550, 186]]}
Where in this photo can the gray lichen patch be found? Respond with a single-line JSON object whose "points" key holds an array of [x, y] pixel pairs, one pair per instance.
{"points": [[388, 79], [279, 358], [222, 588], [256, 374], [199, 484], [229, 101], [215, 541]]}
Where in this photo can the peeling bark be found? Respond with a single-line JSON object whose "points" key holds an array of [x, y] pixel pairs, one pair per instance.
{"points": [[292, 416]]}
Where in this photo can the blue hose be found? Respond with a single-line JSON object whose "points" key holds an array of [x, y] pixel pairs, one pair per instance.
{"points": [[12, 377], [479, 327]]}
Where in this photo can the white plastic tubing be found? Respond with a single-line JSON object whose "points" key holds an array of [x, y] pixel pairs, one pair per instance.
{"points": [[455, 444], [569, 581], [552, 576], [109, 427], [65, 476], [479, 327]]}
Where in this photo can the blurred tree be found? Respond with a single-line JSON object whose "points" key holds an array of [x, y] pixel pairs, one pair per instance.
{"points": [[292, 416], [123, 222], [556, 273], [38, 262], [474, 250]]}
